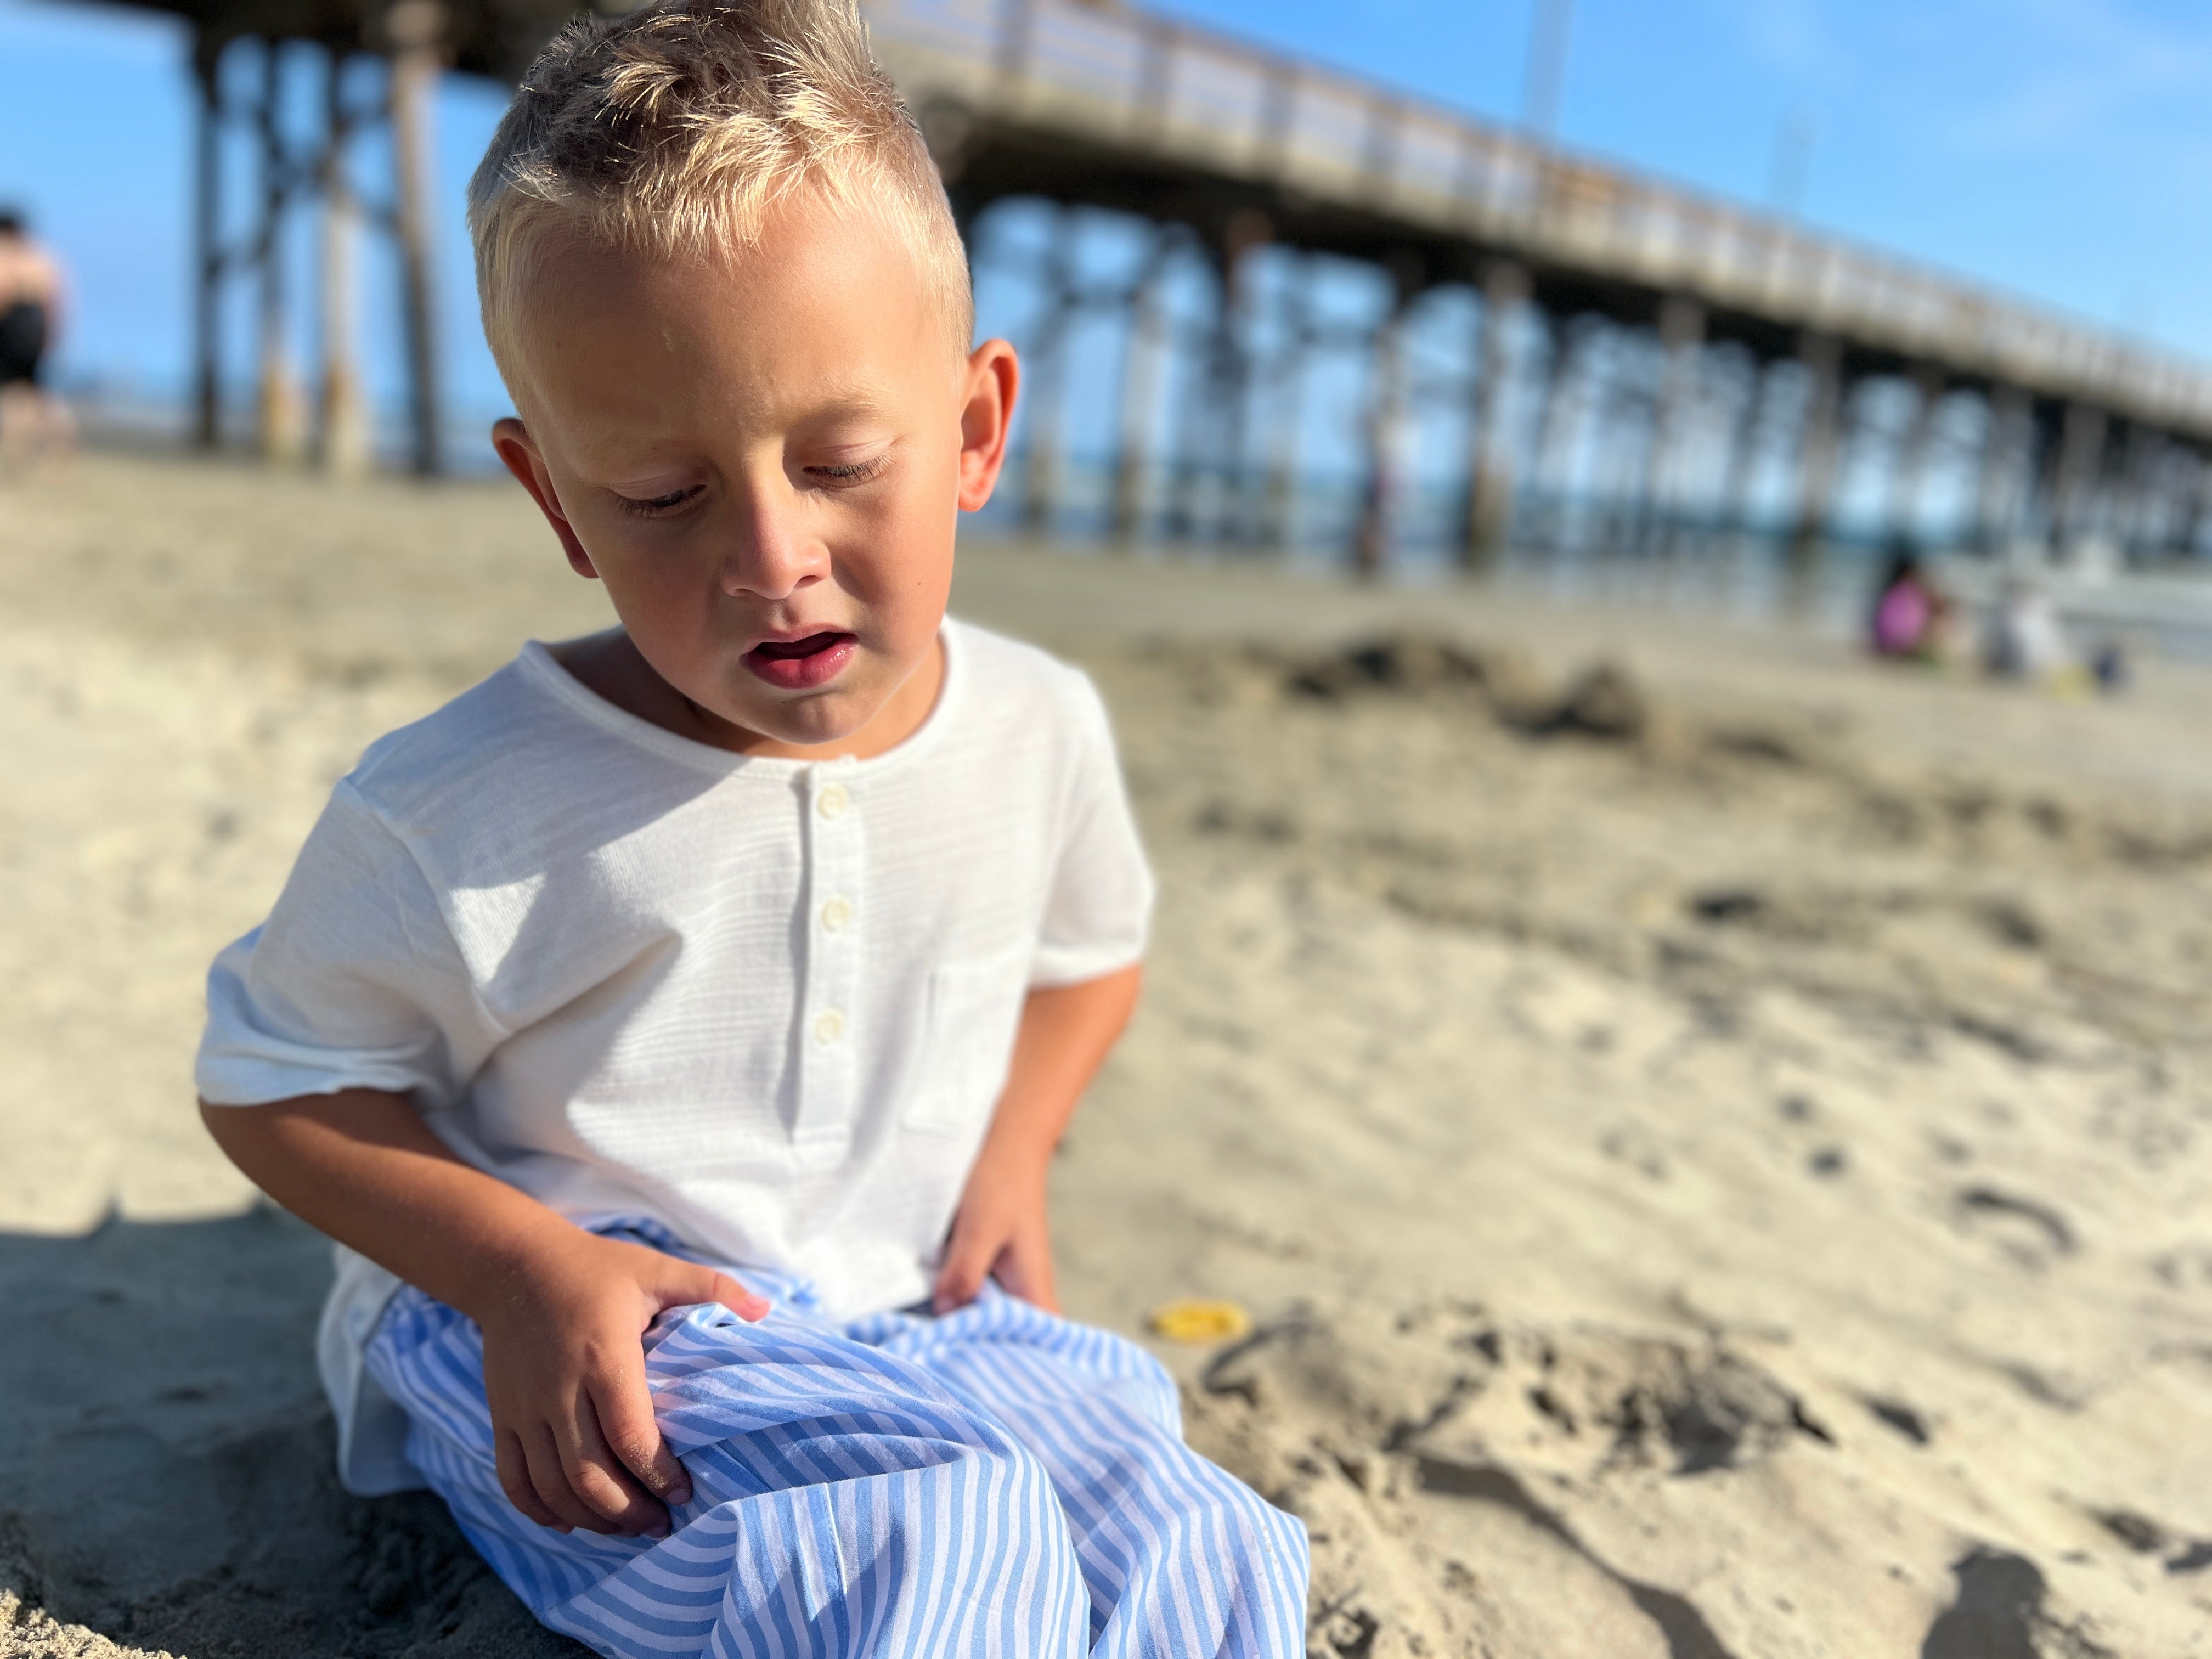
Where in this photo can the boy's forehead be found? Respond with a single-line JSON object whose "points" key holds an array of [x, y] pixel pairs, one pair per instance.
{"points": [[822, 306]]}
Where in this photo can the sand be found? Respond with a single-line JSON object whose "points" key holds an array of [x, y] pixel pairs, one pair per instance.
{"points": [[1717, 1152]]}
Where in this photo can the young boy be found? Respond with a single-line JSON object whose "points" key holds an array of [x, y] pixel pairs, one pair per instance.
{"points": [[674, 1030]]}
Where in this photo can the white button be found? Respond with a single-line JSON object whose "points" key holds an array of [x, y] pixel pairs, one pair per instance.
{"points": [[829, 1025], [832, 801], [837, 913]]}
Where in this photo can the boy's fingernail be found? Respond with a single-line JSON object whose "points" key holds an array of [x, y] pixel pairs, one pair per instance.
{"points": [[656, 1529], [679, 1494]]}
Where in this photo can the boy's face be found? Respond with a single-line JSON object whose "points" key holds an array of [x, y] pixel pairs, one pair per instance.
{"points": [[762, 456]]}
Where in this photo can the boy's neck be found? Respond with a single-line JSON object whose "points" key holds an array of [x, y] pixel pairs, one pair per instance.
{"points": [[612, 668]]}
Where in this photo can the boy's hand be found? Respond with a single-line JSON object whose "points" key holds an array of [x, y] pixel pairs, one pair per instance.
{"points": [[563, 1313], [1000, 1230], [564, 1375]]}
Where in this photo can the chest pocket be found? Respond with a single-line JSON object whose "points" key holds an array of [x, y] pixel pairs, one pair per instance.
{"points": [[974, 1011]]}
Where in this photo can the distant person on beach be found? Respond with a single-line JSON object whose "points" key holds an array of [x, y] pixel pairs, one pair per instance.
{"points": [[2022, 639], [1911, 614], [30, 322], [675, 1030]]}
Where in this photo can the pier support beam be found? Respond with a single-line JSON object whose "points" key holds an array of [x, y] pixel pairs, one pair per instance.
{"points": [[1622, 405], [2133, 504], [1551, 467], [1681, 341], [1286, 406], [207, 247], [1141, 356], [346, 449], [1505, 289], [1041, 459], [2196, 507], [2188, 493], [1386, 435], [1909, 469], [1743, 450], [1819, 441], [416, 30], [280, 412], [2081, 459], [1247, 232], [2008, 444], [2176, 489]]}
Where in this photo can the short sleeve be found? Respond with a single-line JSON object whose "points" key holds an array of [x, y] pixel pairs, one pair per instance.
{"points": [[1099, 902], [353, 982]]}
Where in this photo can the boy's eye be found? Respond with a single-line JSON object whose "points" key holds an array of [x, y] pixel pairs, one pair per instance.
{"points": [[652, 507], [846, 474]]}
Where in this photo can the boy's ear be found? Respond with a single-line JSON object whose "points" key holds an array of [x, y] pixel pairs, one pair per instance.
{"points": [[993, 379], [519, 452]]}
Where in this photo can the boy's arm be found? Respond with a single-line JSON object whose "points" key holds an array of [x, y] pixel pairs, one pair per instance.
{"points": [[1001, 1229], [560, 1309]]}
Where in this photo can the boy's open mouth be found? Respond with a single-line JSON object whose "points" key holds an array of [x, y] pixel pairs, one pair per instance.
{"points": [[796, 665]]}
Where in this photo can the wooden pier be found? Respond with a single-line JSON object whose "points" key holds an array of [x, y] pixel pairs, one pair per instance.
{"points": [[1730, 320], [2084, 433]]}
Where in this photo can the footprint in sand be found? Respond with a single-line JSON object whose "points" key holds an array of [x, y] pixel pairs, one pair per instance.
{"points": [[2031, 1232]]}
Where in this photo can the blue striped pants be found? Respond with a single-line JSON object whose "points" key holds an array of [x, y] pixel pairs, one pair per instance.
{"points": [[998, 1481]]}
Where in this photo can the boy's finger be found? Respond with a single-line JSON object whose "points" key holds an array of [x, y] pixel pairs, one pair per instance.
{"points": [[962, 1276], [687, 1284], [625, 1409], [514, 1481], [549, 1479], [740, 1301], [598, 1478]]}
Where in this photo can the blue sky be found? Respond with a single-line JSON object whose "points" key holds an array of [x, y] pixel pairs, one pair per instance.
{"points": [[2061, 148]]}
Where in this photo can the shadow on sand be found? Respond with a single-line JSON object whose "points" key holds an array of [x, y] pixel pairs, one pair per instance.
{"points": [[166, 1478]]}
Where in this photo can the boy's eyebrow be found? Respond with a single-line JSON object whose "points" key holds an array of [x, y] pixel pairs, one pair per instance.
{"points": [[857, 402]]}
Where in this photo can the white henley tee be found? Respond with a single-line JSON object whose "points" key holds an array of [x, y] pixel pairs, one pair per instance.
{"points": [[768, 1003]]}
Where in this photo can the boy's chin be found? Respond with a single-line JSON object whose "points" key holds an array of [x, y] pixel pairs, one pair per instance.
{"points": [[810, 719]]}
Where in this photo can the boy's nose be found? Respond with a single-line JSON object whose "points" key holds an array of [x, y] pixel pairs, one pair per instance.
{"points": [[773, 554]]}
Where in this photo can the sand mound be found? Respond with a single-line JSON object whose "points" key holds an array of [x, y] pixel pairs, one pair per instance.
{"points": [[1605, 700], [1473, 1488]]}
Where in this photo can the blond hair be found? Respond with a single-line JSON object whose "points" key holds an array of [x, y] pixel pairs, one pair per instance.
{"points": [[673, 131]]}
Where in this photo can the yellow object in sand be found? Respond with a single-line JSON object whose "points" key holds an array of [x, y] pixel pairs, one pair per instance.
{"points": [[1199, 1319], [2072, 684]]}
